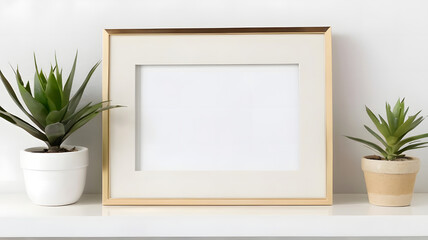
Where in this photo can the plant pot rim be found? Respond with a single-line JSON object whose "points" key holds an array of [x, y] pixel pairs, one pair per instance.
{"points": [[37, 150], [407, 166], [407, 158], [54, 161]]}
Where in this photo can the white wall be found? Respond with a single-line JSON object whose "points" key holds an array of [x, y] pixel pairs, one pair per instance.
{"points": [[380, 52]]}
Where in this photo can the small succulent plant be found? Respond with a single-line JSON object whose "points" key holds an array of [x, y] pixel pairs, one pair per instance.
{"points": [[50, 107], [393, 131]]}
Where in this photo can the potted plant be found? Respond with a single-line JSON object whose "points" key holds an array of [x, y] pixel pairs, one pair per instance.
{"points": [[390, 175], [56, 174]]}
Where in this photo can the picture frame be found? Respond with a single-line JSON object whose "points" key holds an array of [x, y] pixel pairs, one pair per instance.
{"points": [[218, 116]]}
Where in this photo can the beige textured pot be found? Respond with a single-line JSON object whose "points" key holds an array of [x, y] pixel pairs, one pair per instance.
{"points": [[390, 183]]}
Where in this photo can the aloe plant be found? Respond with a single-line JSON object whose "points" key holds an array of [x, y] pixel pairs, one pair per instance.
{"points": [[393, 131], [50, 106]]}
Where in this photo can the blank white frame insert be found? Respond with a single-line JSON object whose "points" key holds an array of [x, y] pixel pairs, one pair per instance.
{"points": [[235, 117]]}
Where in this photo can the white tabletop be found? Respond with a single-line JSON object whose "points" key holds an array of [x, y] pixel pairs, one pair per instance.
{"points": [[351, 215]]}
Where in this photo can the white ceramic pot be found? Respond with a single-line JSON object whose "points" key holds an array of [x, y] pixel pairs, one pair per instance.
{"points": [[54, 179]]}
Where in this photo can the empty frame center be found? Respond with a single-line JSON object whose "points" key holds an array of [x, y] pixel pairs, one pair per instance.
{"points": [[217, 117]]}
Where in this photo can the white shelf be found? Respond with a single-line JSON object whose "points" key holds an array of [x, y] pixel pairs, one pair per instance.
{"points": [[350, 215]]}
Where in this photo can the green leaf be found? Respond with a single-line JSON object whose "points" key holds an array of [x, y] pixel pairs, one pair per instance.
{"points": [[82, 112], [406, 126], [35, 62], [58, 74], [402, 117], [53, 93], [18, 76], [17, 102], [392, 120], [385, 155], [416, 123], [69, 82], [376, 136], [37, 109], [397, 108], [27, 87], [385, 124], [20, 82], [412, 126], [22, 124], [43, 80], [39, 91], [411, 139], [369, 144], [78, 114], [80, 123], [56, 116], [6, 117], [55, 132], [382, 129], [412, 146], [85, 119], [88, 109], [74, 102]]}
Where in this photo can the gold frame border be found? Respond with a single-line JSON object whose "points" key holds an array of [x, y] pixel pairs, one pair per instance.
{"points": [[328, 200]]}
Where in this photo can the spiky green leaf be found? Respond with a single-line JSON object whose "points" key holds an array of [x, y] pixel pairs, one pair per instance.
{"points": [[411, 139], [399, 105], [39, 91], [382, 129], [369, 144], [37, 109], [69, 82], [16, 100], [415, 123], [376, 136], [74, 102], [58, 74], [88, 109], [413, 146], [86, 118], [22, 124], [18, 76], [406, 126], [392, 120], [55, 132], [402, 116], [43, 80], [53, 93], [20, 82], [28, 88], [80, 123], [56, 116]]}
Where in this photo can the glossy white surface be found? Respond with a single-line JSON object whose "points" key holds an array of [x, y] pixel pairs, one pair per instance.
{"points": [[350, 216]]}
